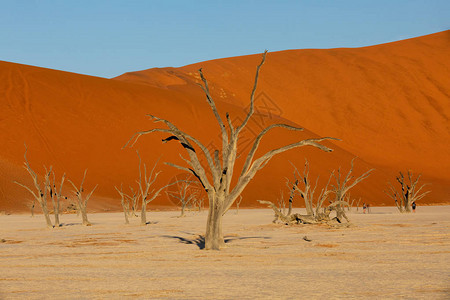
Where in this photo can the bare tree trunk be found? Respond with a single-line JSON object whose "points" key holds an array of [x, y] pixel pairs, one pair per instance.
{"points": [[56, 197], [125, 212], [57, 223], [124, 200], [46, 214], [309, 208], [125, 208], [84, 217], [144, 213], [183, 208], [407, 207], [214, 234]]}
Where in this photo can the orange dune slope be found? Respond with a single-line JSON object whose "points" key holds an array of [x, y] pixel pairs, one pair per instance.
{"points": [[390, 103], [74, 121]]}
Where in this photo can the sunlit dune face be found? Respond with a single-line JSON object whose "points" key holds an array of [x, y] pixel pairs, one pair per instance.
{"points": [[387, 103]]}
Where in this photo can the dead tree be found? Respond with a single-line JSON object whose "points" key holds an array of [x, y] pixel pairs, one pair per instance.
{"points": [[134, 197], [82, 200], [409, 192], [217, 183], [357, 204], [56, 195], [320, 214], [341, 188], [32, 205], [125, 203], [198, 202], [313, 216], [145, 183], [281, 203], [308, 190], [185, 195], [41, 190], [350, 202]]}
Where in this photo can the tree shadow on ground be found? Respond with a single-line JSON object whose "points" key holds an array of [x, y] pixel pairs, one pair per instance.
{"points": [[69, 224], [151, 223], [199, 240]]}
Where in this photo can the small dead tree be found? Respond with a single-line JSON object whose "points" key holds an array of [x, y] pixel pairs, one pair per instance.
{"points": [[125, 201], [221, 163], [341, 188], [81, 200], [56, 195], [281, 203], [41, 189], [134, 197], [409, 192], [146, 182], [357, 204], [313, 216], [350, 202], [185, 195], [308, 190], [198, 203], [320, 214], [32, 205]]}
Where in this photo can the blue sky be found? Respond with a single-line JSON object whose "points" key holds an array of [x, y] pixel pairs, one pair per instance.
{"points": [[107, 38]]}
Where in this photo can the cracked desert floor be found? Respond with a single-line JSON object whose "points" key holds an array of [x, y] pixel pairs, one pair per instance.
{"points": [[384, 255]]}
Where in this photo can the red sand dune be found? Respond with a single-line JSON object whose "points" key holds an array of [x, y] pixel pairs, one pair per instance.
{"points": [[388, 103]]}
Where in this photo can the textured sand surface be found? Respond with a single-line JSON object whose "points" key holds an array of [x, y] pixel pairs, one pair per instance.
{"points": [[385, 255], [388, 103]]}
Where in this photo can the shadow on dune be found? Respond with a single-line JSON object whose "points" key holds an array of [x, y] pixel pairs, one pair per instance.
{"points": [[200, 239]]}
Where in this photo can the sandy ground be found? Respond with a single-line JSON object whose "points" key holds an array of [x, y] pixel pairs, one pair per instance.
{"points": [[384, 255]]}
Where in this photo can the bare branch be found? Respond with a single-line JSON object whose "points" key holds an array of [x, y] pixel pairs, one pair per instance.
{"points": [[90, 194], [252, 95], [258, 140], [258, 163], [24, 186], [211, 103]]}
